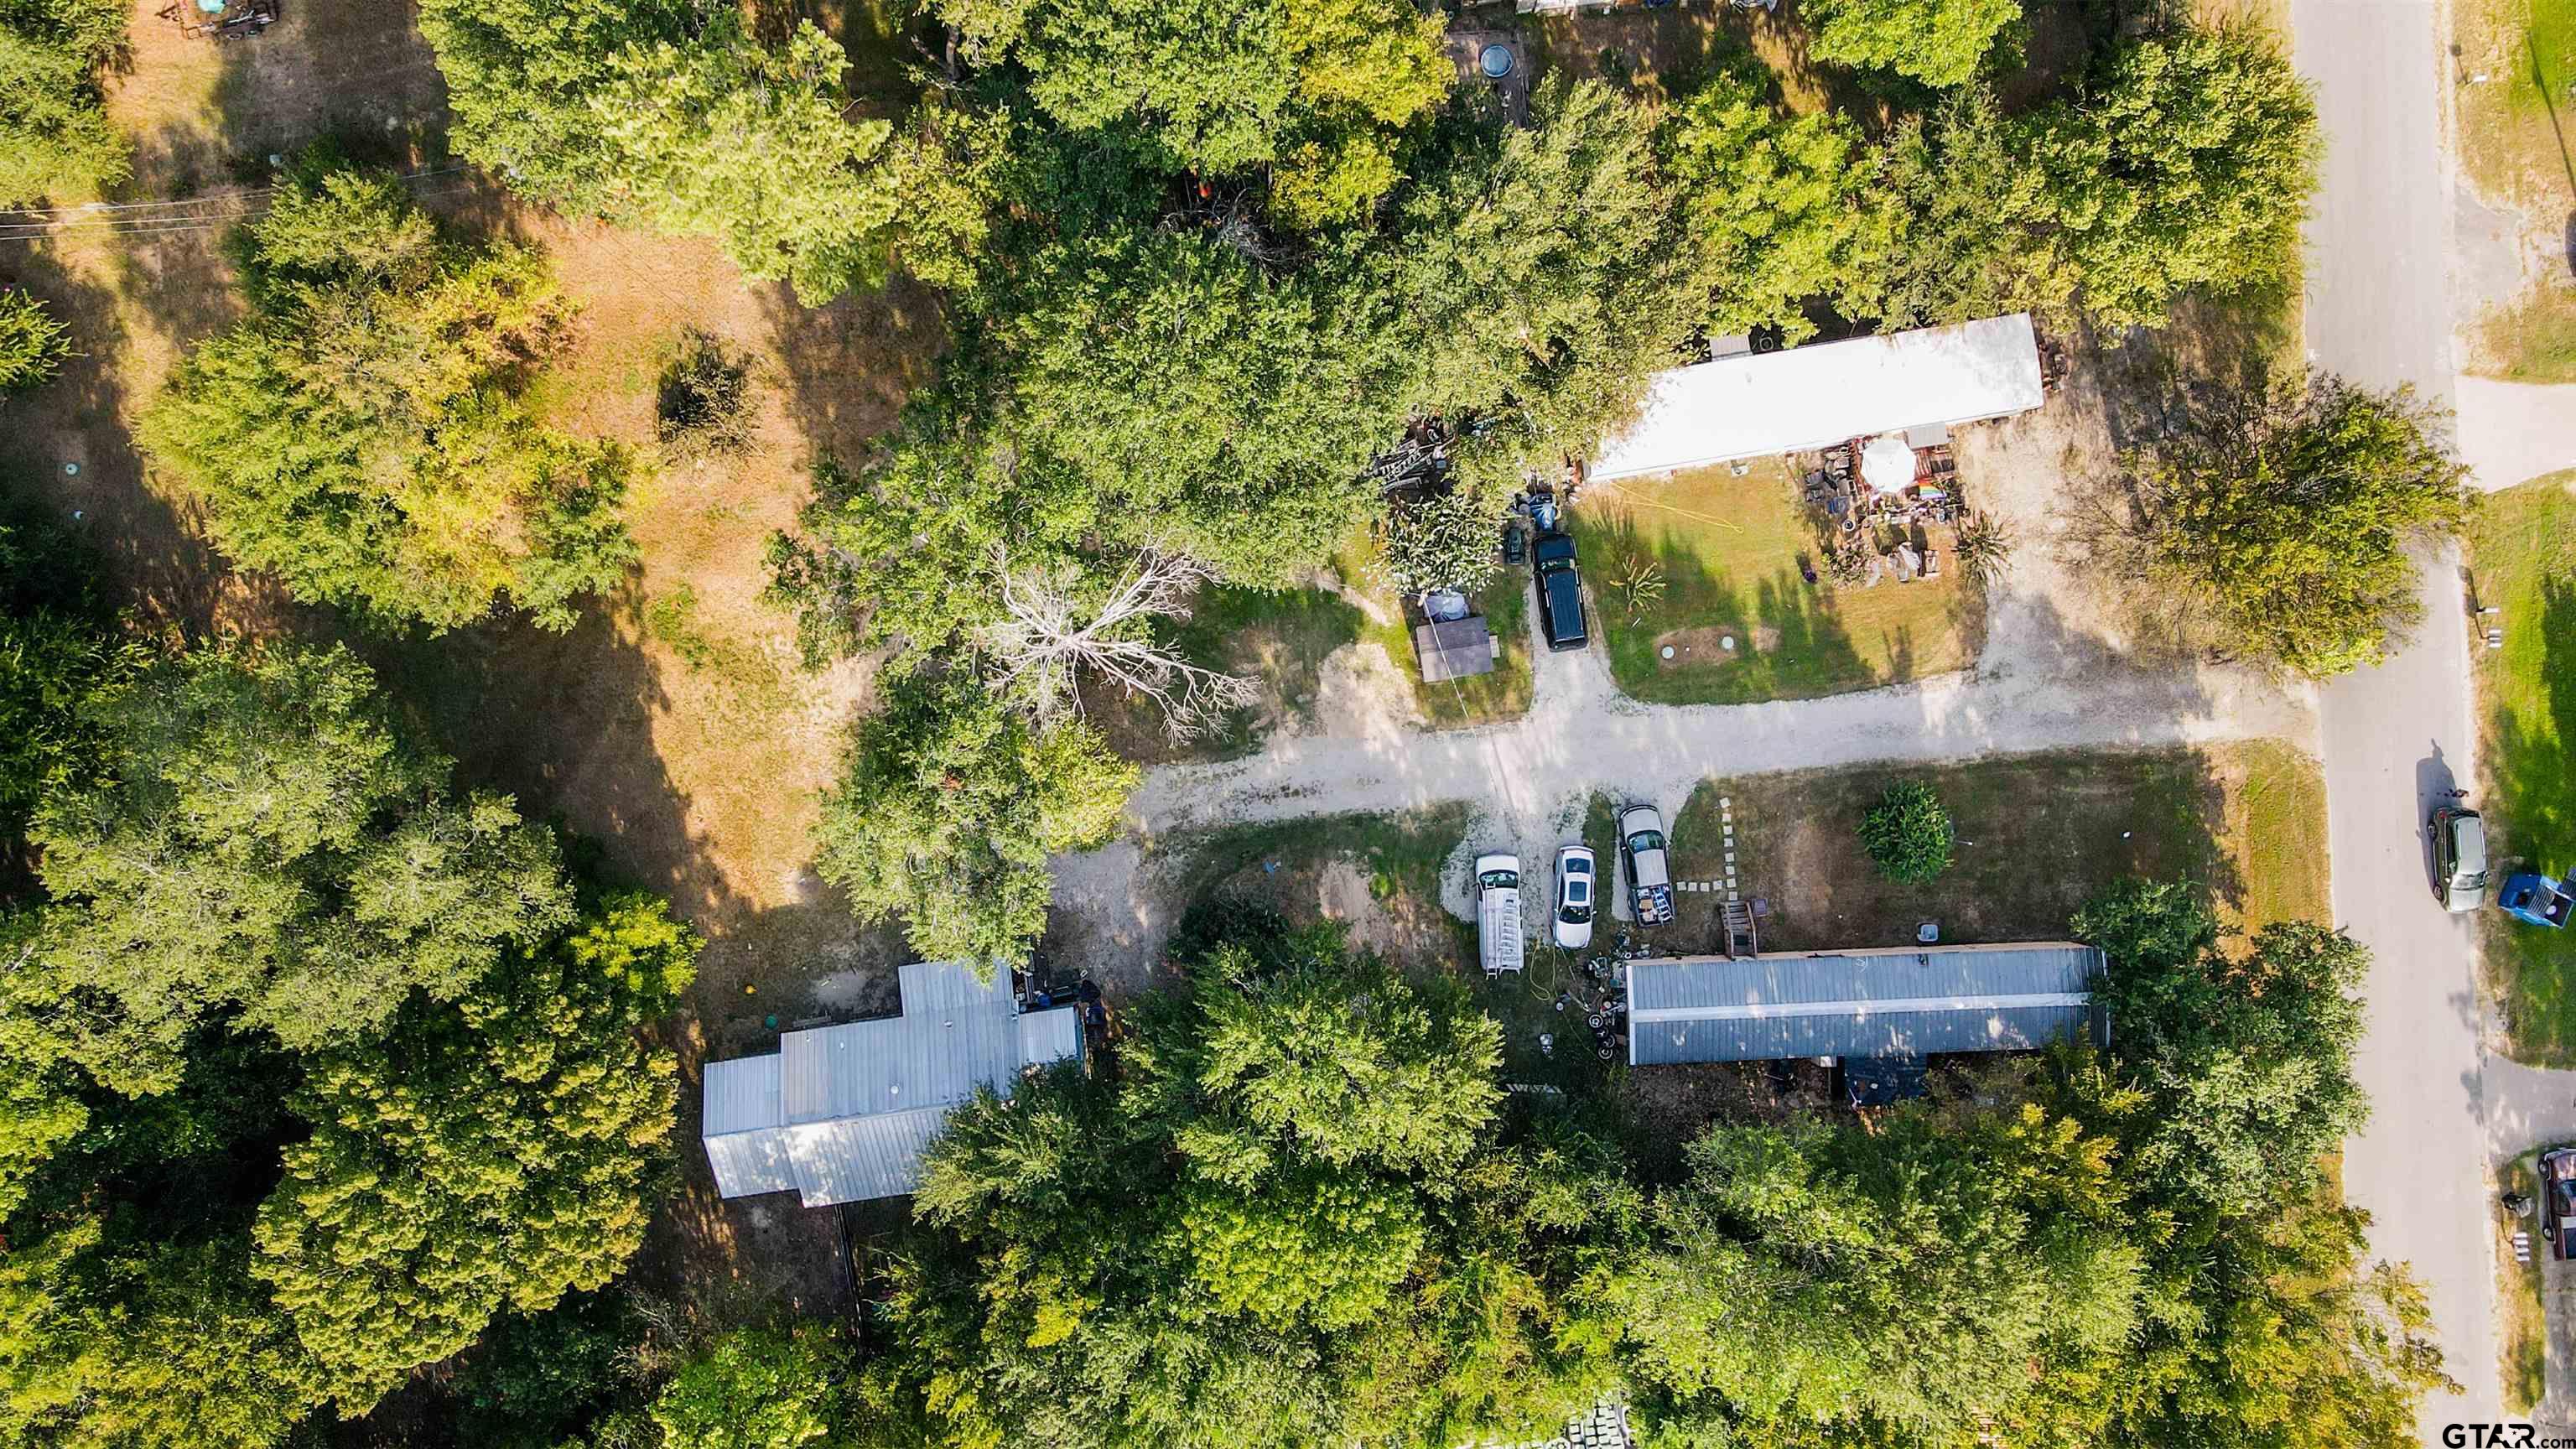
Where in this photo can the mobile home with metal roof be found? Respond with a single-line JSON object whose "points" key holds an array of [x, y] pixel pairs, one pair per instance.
{"points": [[841, 1113], [1905, 1002]]}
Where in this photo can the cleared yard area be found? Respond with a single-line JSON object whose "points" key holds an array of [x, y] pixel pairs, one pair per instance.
{"points": [[1728, 552], [2523, 561], [2516, 65], [2037, 836]]}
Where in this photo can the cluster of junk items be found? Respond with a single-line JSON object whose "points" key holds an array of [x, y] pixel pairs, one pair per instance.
{"points": [[1880, 499]]}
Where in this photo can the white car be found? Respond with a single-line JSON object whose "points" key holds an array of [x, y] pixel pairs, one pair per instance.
{"points": [[1574, 888]]}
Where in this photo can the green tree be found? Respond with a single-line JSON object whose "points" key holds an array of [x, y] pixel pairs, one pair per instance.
{"points": [[1908, 833], [1323, 1057], [1974, 234], [106, 1344], [1316, 90], [33, 342], [721, 136], [1925, 1279], [755, 1388], [1938, 42], [949, 806], [2246, 1054], [2274, 522], [1244, 1237], [1777, 209], [683, 120], [55, 139], [2189, 166], [1531, 281], [361, 436], [258, 840], [488, 1154], [56, 645]]}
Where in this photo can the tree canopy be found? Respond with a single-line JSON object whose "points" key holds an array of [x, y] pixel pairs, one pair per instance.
{"points": [[361, 436], [55, 138], [2188, 165], [498, 1159], [2274, 521], [1941, 43], [950, 807], [1317, 92], [33, 342], [688, 122], [1778, 210], [257, 843]]}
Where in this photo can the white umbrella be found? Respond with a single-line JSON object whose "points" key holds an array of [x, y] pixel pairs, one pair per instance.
{"points": [[1887, 464]]}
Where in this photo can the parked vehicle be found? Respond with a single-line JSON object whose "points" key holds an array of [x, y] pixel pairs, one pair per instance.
{"points": [[2459, 858], [1574, 890], [2558, 1198], [1560, 592], [1498, 914], [1650, 877]]}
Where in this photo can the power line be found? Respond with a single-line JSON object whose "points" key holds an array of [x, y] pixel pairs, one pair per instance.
{"points": [[167, 223], [48, 216]]}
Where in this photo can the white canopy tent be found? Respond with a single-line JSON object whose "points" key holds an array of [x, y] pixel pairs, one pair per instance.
{"points": [[1760, 404]]}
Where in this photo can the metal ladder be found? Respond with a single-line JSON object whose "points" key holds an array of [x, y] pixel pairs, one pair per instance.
{"points": [[1740, 938]]}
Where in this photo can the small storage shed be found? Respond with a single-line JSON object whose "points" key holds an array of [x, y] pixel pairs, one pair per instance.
{"points": [[1765, 403], [841, 1113], [1905, 1002], [1454, 648]]}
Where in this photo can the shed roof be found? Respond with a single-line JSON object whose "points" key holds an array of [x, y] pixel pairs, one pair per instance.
{"points": [[1905, 1002], [842, 1113], [1806, 397], [1454, 648]]}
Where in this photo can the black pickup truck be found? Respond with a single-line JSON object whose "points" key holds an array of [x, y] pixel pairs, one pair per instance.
{"points": [[1560, 592]]}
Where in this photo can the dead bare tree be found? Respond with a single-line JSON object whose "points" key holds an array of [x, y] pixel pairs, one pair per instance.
{"points": [[1052, 629]]}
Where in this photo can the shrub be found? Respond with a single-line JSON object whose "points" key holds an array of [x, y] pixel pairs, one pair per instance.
{"points": [[703, 405], [1907, 833], [33, 342]]}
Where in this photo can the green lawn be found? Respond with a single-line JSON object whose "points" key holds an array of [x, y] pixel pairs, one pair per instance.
{"points": [[2523, 564], [1727, 551], [2534, 340], [2522, 1322], [1278, 637], [2037, 836]]}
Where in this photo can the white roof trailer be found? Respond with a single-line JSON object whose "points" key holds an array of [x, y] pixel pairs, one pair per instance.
{"points": [[1759, 404]]}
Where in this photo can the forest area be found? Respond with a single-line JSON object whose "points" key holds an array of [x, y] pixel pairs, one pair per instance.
{"points": [[345, 1092]]}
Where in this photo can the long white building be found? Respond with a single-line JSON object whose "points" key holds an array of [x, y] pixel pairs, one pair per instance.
{"points": [[1758, 404]]}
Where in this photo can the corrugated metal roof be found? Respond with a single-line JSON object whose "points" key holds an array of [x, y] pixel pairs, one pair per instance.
{"points": [[841, 1113], [1859, 1003], [1051, 1035]]}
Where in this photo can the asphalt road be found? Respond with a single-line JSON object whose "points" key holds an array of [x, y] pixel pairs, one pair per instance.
{"points": [[2379, 312]]}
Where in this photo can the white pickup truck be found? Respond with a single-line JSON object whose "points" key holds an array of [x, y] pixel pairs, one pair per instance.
{"points": [[1650, 876], [1498, 914]]}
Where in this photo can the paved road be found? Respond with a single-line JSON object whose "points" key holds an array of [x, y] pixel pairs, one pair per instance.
{"points": [[2379, 312]]}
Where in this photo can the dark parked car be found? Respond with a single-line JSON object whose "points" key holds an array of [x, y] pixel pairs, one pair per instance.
{"points": [[2557, 1197], [2460, 858], [1560, 592]]}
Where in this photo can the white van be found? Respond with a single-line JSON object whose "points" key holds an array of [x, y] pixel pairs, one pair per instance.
{"points": [[1498, 914]]}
